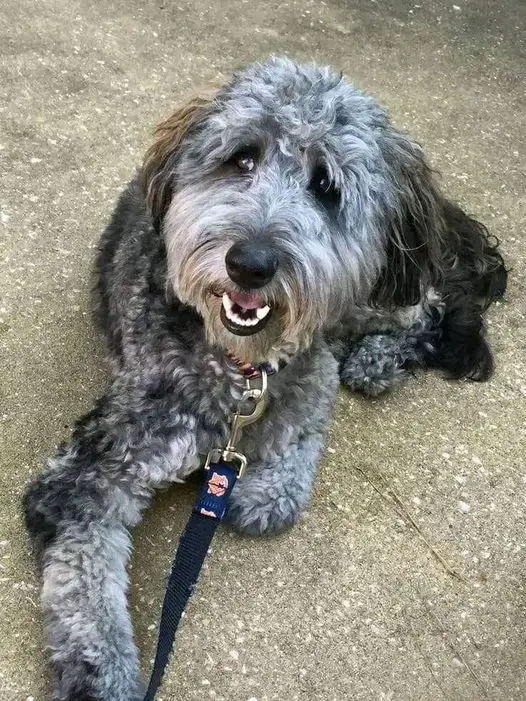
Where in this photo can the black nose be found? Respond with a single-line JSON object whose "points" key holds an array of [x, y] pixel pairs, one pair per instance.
{"points": [[250, 265]]}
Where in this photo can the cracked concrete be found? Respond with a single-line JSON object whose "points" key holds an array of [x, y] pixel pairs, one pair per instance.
{"points": [[357, 602]]}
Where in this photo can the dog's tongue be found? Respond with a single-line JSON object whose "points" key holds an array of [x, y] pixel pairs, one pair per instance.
{"points": [[246, 301]]}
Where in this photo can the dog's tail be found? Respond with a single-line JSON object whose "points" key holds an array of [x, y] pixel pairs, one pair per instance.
{"points": [[474, 277]]}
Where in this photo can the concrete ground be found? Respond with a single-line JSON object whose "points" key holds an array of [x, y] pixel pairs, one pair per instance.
{"points": [[360, 600]]}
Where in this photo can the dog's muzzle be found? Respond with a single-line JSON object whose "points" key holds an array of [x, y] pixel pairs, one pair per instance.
{"points": [[250, 266]]}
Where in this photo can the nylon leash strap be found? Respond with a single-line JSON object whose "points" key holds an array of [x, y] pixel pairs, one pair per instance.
{"points": [[224, 467]]}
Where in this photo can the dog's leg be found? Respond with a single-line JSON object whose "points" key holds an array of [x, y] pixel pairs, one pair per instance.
{"points": [[288, 446], [378, 362], [78, 512], [391, 347], [271, 496]]}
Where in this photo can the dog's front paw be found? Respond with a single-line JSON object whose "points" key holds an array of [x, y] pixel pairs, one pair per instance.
{"points": [[376, 364], [262, 516], [368, 380], [76, 680]]}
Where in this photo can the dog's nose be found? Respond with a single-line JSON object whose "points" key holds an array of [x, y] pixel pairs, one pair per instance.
{"points": [[250, 265]]}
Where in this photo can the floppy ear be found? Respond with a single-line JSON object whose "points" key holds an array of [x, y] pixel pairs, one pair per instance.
{"points": [[161, 158], [415, 229]]}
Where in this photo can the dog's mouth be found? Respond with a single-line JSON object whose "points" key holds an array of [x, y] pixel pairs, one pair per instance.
{"points": [[244, 314]]}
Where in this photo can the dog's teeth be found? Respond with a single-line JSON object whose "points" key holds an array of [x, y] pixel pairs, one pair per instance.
{"points": [[262, 312], [237, 319]]}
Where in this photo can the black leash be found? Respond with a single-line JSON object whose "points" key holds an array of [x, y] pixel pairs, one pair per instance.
{"points": [[225, 466], [193, 546]]}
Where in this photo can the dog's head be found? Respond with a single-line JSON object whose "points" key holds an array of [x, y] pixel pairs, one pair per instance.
{"points": [[287, 198]]}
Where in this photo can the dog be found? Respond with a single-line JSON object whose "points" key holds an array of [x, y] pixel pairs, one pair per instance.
{"points": [[283, 219]]}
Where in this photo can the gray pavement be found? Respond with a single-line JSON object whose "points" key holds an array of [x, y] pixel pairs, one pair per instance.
{"points": [[359, 601]]}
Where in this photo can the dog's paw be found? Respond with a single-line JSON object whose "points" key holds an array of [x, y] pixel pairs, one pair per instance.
{"points": [[367, 381], [76, 680], [376, 364], [369, 376], [262, 516]]}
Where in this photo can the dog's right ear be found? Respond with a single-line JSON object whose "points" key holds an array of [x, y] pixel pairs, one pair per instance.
{"points": [[414, 225], [160, 159]]}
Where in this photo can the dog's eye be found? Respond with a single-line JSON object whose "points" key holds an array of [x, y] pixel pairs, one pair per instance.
{"points": [[323, 187], [245, 160], [321, 181]]}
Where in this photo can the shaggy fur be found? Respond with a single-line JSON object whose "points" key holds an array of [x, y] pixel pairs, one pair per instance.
{"points": [[373, 273]]}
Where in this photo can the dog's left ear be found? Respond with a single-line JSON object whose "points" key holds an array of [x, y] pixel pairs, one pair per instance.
{"points": [[414, 225], [160, 159]]}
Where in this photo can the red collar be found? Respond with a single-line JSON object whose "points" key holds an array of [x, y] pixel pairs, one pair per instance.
{"points": [[247, 369]]}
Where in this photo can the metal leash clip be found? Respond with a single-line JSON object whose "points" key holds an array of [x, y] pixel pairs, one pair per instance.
{"points": [[255, 397]]}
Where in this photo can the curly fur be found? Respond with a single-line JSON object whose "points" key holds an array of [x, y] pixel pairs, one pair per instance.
{"points": [[378, 274]]}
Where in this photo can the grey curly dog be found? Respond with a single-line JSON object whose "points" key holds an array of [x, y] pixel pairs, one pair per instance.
{"points": [[282, 218]]}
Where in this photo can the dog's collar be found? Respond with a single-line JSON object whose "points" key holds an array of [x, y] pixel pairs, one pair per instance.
{"points": [[249, 370]]}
